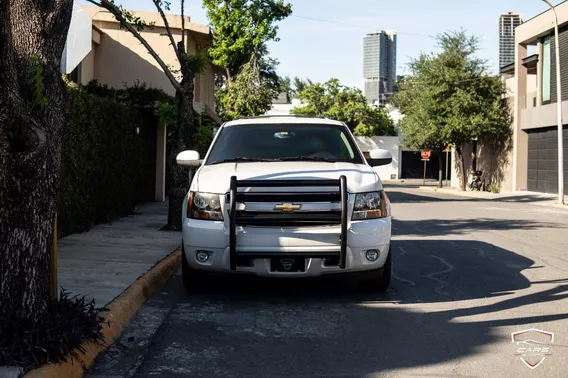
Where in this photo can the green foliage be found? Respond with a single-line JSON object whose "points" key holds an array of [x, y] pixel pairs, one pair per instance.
{"points": [[35, 82], [345, 104], [51, 335], [493, 188], [450, 99], [242, 28], [198, 61], [301, 84], [101, 162], [285, 86], [246, 97]]}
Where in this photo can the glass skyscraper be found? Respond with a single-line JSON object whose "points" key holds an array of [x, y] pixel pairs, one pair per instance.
{"points": [[379, 66], [507, 24]]}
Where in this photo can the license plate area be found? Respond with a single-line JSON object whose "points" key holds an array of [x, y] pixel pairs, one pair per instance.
{"points": [[288, 264]]}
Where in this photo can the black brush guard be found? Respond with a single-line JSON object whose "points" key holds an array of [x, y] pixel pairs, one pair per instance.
{"points": [[340, 184]]}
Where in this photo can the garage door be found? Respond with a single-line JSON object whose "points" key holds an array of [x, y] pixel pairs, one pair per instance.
{"points": [[543, 160]]}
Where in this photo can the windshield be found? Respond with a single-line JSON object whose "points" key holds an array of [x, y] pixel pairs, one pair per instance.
{"points": [[284, 142]]}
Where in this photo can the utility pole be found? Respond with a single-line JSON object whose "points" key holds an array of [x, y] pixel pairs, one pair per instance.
{"points": [[558, 110]]}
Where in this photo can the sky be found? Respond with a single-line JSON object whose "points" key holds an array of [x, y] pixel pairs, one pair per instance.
{"points": [[323, 39]]}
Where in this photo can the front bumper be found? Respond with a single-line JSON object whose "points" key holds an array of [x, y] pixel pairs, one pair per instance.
{"points": [[256, 246]]}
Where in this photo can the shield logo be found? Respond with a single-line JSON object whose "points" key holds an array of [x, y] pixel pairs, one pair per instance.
{"points": [[287, 263], [533, 345]]}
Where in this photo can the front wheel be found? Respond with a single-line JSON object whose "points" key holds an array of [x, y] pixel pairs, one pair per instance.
{"points": [[381, 282]]}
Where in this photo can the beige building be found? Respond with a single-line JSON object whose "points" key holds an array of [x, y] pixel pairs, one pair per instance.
{"points": [[531, 164], [117, 58], [534, 163]]}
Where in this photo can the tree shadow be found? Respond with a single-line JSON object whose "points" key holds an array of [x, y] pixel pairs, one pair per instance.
{"points": [[447, 227], [405, 197], [326, 327]]}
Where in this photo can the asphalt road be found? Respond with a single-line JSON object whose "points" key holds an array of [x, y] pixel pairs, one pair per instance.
{"points": [[468, 274]]}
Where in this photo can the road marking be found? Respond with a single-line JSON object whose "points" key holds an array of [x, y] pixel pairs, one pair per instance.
{"points": [[443, 284], [411, 283]]}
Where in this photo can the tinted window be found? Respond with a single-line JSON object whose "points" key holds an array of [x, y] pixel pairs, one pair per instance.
{"points": [[287, 141]]}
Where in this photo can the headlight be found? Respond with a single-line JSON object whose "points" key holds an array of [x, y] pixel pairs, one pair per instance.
{"points": [[371, 205], [204, 206]]}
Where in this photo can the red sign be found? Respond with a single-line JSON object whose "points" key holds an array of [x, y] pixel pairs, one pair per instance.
{"points": [[425, 154]]}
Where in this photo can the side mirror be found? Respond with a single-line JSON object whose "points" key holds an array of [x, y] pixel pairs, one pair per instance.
{"points": [[379, 157], [189, 158]]}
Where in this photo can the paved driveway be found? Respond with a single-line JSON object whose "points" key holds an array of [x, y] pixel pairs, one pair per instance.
{"points": [[467, 274]]}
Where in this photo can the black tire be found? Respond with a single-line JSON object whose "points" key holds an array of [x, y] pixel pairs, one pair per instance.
{"points": [[381, 282], [193, 280]]}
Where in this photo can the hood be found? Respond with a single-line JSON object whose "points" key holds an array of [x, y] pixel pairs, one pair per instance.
{"points": [[217, 178]]}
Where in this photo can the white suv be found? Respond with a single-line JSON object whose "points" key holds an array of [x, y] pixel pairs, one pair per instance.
{"points": [[292, 197]]}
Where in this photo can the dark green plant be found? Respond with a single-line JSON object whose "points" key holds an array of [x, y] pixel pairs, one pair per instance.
{"points": [[101, 160], [50, 336]]}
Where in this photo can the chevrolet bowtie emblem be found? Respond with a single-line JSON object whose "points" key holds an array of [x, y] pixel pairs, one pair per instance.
{"points": [[287, 207]]}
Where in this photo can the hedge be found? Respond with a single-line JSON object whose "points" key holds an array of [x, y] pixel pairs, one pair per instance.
{"points": [[106, 166], [100, 162]]}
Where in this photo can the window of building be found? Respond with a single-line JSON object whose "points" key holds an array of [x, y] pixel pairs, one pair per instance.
{"points": [[546, 70]]}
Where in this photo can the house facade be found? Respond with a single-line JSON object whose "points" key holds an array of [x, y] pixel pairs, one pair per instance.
{"points": [[532, 79], [116, 58]]}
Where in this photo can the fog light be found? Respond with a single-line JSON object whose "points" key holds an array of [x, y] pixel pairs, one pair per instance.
{"points": [[202, 256], [372, 255]]}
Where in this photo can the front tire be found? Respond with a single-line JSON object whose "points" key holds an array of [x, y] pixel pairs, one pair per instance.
{"points": [[381, 282]]}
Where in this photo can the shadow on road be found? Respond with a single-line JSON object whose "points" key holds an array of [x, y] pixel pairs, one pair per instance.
{"points": [[448, 227], [322, 325]]}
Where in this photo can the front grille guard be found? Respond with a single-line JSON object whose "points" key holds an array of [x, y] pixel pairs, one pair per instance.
{"points": [[341, 184]]}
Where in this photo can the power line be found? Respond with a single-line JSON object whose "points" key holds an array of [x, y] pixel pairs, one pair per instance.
{"points": [[357, 26]]}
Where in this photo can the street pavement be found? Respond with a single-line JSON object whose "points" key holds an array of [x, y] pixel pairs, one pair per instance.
{"points": [[467, 274]]}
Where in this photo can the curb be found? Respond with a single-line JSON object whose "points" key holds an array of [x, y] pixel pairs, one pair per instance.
{"points": [[121, 310], [459, 193]]}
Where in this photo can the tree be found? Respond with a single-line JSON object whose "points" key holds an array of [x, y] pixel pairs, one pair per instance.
{"points": [[333, 100], [32, 116], [189, 66], [450, 99], [242, 28], [247, 96], [286, 87], [301, 84]]}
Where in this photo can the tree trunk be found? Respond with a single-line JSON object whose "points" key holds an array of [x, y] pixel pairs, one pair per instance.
{"points": [[463, 172], [440, 169], [32, 116], [179, 183]]}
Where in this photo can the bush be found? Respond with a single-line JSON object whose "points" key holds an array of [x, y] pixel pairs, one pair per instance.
{"points": [[100, 164], [51, 335]]}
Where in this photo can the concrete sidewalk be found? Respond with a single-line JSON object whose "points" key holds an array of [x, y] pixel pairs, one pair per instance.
{"points": [[109, 258], [534, 198]]}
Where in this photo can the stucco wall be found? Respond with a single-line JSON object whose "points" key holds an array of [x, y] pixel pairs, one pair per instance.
{"points": [[392, 145], [121, 59]]}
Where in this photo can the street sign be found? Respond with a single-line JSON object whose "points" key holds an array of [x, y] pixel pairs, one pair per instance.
{"points": [[425, 154], [425, 159], [449, 148]]}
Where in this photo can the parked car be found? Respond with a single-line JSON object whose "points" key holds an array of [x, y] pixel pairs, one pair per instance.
{"points": [[280, 196]]}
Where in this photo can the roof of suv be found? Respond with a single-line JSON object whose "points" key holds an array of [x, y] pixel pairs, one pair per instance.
{"points": [[280, 119]]}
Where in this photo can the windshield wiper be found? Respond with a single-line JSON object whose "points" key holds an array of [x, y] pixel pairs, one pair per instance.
{"points": [[241, 159], [308, 158]]}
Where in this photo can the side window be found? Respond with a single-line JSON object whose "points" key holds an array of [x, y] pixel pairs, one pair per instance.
{"points": [[346, 146]]}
